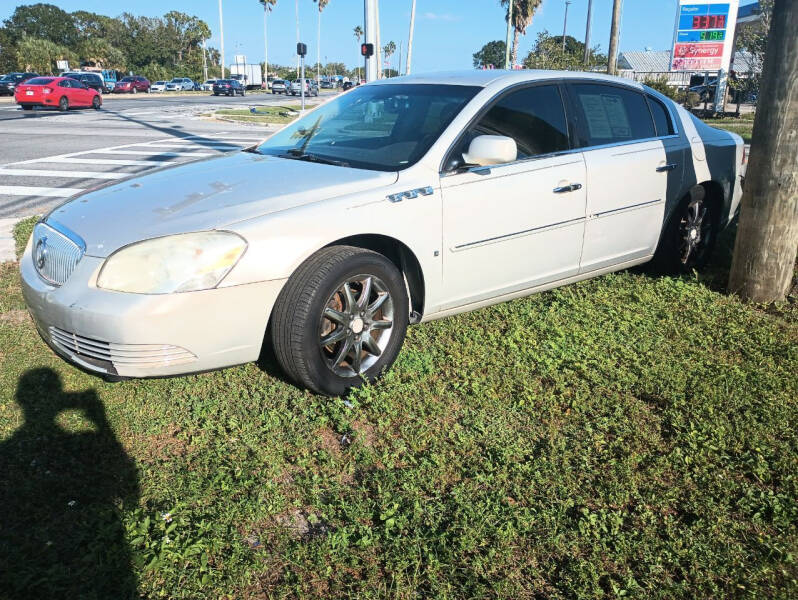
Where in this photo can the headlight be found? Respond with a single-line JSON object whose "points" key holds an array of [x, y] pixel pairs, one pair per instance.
{"points": [[175, 263]]}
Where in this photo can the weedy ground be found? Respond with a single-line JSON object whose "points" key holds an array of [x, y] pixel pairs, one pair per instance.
{"points": [[262, 114], [742, 125], [633, 435]]}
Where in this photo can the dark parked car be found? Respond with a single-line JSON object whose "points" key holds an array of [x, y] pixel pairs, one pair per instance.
{"points": [[9, 82], [348, 85], [228, 87], [132, 85], [94, 81]]}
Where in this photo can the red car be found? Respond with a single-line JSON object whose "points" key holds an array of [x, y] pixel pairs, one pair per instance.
{"points": [[63, 92], [132, 85]]}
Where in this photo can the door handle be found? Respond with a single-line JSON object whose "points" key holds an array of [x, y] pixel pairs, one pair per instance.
{"points": [[567, 188], [668, 167]]}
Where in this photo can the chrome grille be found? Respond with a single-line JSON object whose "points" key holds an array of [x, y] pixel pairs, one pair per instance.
{"points": [[55, 254], [123, 355]]}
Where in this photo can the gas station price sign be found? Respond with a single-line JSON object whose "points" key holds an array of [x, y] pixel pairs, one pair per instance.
{"points": [[700, 41]]}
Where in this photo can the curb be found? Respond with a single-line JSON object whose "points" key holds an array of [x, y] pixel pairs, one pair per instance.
{"points": [[8, 251]]}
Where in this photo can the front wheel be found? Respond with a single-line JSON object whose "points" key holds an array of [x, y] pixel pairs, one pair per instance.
{"points": [[63, 104], [340, 319]]}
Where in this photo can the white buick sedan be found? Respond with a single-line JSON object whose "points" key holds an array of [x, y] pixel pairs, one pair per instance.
{"points": [[398, 202]]}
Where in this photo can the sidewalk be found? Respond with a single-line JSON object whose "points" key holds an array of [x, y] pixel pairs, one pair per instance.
{"points": [[7, 246]]}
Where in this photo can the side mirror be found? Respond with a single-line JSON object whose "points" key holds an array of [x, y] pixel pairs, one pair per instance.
{"points": [[491, 150]]}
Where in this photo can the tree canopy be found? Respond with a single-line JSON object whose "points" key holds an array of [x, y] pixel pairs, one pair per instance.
{"points": [[37, 35], [491, 53]]}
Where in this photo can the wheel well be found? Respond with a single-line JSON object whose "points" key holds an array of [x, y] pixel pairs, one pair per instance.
{"points": [[401, 256], [713, 193]]}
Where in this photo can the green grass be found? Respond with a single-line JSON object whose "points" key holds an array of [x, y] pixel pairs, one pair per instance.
{"points": [[742, 126], [263, 114], [627, 436]]}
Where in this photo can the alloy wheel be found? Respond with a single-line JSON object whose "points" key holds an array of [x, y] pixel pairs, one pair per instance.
{"points": [[356, 325], [695, 230]]}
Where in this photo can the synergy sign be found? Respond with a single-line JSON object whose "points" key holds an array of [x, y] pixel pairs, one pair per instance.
{"points": [[704, 35]]}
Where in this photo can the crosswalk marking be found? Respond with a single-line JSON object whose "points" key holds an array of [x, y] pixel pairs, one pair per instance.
{"points": [[102, 161], [26, 190], [220, 145], [146, 153], [72, 174]]}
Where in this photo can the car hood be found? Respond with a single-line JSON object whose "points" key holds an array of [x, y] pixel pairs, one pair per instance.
{"points": [[205, 195]]}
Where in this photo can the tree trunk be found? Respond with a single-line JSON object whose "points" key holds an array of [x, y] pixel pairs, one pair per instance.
{"points": [[767, 238], [514, 54]]}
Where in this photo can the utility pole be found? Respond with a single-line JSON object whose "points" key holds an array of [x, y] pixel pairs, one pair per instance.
{"points": [[767, 235], [399, 70], [204, 63], [370, 24], [509, 33], [587, 31], [565, 24], [221, 34], [410, 37], [612, 58], [296, 11]]}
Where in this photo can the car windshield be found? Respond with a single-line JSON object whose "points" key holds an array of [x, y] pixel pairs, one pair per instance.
{"points": [[380, 127], [39, 81], [160, 83], [176, 80], [127, 79]]}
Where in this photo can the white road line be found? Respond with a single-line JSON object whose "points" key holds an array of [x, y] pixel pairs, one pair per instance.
{"points": [[101, 161], [185, 145], [69, 154], [26, 190], [74, 174], [145, 153]]}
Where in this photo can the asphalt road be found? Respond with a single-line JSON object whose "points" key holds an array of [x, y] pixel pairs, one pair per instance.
{"points": [[47, 156]]}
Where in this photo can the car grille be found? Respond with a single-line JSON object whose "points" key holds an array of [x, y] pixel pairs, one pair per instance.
{"points": [[55, 254], [121, 355]]}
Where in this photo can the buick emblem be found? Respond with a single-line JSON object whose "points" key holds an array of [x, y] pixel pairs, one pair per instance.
{"points": [[40, 253]]}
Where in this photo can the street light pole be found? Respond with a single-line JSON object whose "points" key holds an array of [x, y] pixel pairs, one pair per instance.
{"points": [[587, 31], [221, 34], [265, 45], [370, 35], [509, 33], [565, 24]]}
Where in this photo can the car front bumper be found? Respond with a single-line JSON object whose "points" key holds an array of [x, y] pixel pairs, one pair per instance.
{"points": [[137, 335]]}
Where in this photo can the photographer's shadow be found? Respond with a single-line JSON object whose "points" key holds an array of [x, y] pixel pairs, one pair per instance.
{"points": [[61, 495]]}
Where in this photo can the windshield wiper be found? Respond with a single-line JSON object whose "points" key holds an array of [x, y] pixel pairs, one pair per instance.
{"points": [[298, 154]]}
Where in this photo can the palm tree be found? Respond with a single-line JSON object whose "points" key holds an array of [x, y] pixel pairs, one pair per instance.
{"points": [[267, 8], [388, 50], [523, 11], [358, 34], [322, 4]]}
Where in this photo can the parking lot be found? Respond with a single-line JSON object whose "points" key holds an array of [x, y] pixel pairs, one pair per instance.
{"points": [[48, 156]]}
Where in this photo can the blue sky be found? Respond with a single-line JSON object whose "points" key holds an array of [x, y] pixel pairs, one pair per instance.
{"points": [[447, 32]]}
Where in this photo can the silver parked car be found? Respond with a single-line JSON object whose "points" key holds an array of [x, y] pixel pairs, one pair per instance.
{"points": [[404, 200], [179, 84]]}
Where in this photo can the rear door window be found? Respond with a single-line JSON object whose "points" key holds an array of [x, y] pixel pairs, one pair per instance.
{"points": [[662, 120], [610, 114]]}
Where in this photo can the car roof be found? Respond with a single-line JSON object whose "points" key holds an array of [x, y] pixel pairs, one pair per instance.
{"points": [[486, 77]]}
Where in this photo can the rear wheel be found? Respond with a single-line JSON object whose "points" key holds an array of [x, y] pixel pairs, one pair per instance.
{"points": [[95, 103], [63, 104], [340, 319], [27, 107], [689, 237]]}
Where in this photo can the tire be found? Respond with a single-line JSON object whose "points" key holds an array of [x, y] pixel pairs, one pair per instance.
{"points": [[689, 237], [96, 103], [316, 289], [27, 107], [63, 104]]}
